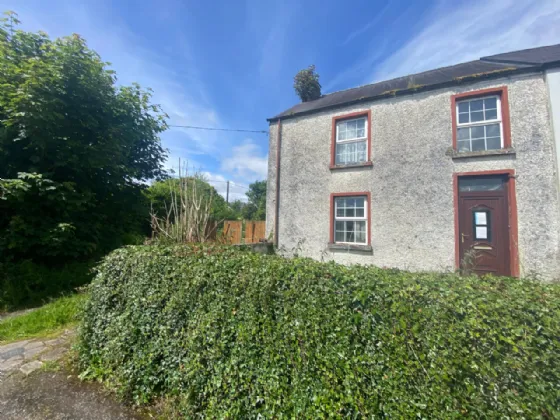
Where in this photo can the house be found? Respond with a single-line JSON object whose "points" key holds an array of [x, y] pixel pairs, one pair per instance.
{"points": [[458, 165]]}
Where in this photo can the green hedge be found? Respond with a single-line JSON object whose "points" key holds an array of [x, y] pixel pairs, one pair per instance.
{"points": [[233, 334]]}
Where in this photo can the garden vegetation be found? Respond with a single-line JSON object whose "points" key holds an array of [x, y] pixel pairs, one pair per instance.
{"points": [[226, 333]]}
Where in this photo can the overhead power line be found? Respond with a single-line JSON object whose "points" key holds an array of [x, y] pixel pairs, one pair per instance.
{"points": [[239, 130]]}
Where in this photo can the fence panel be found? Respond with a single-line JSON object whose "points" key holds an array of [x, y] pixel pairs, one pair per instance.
{"points": [[233, 231], [254, 231]]}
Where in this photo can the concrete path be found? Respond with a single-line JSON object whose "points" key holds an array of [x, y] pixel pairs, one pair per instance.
{"points": [[30, 393], [56, 395], [29, 355]]}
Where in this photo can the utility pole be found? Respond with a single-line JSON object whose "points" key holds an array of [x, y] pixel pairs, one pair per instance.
{"points": [[227, 193]]}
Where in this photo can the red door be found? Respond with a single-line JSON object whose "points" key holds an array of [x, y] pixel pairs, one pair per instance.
{"points": [[483, 225]]}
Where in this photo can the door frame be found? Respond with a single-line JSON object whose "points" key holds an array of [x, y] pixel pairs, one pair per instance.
{"points": [[512, 215]]}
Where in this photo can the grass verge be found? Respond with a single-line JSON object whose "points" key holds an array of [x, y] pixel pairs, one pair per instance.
{"points": [[47, 320]]}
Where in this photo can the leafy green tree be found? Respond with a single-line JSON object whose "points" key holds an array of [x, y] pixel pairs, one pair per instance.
{"points": [[75, 149], [256, 205], [306, 84], [237, 207]]}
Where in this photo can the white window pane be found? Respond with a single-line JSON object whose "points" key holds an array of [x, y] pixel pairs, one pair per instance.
{"points": [[481, 232], [350, 202], [490, 103], [477, 116], [463, 133], [362, 123], [339, 212], [361, 133], [349, 153], [350, 212], [493, 130], [351, 133], [480, 218], [350, 231], [463, 107], [342, 135], [464, 146], [359, 202], [494, 143], [477, 132], [360, 226], [478, 145], [360, 213], [361, 237], [476, 105], [463, 118], [491, 114], [339, 226], [339, 236]]}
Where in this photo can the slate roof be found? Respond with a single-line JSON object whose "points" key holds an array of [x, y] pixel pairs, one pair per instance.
{"points": [[498, 65]]}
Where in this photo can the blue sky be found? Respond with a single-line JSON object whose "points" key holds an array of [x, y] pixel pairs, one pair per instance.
{"points": [[230, 64]]}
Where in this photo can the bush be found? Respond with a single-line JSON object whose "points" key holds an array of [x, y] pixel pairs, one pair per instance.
{"points": [[232, 334], [27, 284]]}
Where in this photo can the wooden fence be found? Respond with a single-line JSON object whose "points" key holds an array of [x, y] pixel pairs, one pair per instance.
{"points": [[244, 232]]}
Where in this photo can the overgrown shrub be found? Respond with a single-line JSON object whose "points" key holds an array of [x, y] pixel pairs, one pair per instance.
{"points": [[306, 84], [26, 283], [232, 334]]}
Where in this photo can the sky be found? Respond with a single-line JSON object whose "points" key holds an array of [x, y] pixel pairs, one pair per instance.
{"points": [[230, 64]]}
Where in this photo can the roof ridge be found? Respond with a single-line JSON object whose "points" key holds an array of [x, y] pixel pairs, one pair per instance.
{"points": [[518, 51]]}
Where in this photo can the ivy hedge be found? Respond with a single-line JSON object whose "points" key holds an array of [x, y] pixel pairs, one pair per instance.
{"points": [[232, 334]]}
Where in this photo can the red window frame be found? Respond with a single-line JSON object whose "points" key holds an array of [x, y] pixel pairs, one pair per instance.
{"points": [[351, 116], [502, 92], [365, 194]]}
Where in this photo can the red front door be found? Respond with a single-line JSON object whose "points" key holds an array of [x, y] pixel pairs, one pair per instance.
{"points": [[483, 225]]}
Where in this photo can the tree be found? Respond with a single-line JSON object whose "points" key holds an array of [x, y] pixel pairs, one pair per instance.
{"points": [[237, 206], [256, 205], [306, 84], [159, 197], [75, 149]]}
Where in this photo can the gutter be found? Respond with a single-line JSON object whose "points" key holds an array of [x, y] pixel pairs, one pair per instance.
{"points": [[277, 204]]}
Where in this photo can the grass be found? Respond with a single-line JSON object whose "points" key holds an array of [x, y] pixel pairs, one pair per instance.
{"points": [[45, 321]]}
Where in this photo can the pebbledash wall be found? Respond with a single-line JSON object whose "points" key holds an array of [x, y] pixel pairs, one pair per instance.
{"points": [[411, 180]]}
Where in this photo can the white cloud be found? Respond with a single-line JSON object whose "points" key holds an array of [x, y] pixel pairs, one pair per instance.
{"points": [[246, 161], [454, 34]]}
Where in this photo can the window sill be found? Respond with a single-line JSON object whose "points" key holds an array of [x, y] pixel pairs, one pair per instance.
{"points": [[454, 154], [349, 247], [354, 165]]}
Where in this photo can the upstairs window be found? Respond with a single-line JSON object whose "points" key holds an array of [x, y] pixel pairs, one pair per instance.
{"points": [[479, 124], [351, 137], [351, 141], [480, 120]]}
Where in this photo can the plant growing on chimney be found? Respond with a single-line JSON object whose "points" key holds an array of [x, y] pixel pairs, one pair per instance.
{"points": [[306, 84]]}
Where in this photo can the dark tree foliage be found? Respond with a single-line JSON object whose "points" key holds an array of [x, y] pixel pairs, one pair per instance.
{"points": [[256, 205], [75, 149], [306, 84]]}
